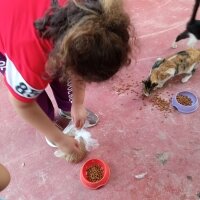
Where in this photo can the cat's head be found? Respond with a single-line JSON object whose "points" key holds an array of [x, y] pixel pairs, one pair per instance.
{"points": [[152, 82], [149, 86]]}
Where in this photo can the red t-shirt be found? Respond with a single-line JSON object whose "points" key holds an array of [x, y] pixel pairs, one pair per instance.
{"points": [[25, 52]]}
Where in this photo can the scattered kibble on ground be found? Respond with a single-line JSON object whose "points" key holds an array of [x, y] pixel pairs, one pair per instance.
{"points": [[161, 104], [94, 173], [130, 86], [184, 100], [126, 86]]}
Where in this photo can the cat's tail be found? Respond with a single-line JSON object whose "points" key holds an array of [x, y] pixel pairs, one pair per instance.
{"points": [[194, 12]]}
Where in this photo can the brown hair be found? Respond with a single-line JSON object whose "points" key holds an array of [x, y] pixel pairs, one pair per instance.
{"points": [[91, 39]]}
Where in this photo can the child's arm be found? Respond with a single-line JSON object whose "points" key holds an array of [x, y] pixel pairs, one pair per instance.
{"points": [[32, 113], [78, 110], [4, 177]]}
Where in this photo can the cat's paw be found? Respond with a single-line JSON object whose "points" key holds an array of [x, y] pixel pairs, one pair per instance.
{"points": [[174, 45], [185, 79]]}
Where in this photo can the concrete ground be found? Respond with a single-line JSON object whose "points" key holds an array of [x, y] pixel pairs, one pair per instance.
{"points": [[135, 136]]}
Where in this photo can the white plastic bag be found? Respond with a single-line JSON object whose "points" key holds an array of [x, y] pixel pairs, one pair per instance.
{"points": [[83, 134], [87, 143]]}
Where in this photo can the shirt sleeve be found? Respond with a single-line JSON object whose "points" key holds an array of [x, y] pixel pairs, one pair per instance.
{"points": [[18, 86]]}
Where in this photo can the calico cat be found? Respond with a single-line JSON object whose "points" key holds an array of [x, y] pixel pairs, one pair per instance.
{"points": [[183, 62], [192, 29]]}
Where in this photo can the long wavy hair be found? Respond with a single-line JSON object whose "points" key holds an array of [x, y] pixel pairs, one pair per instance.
{"points": [[91, 38]]}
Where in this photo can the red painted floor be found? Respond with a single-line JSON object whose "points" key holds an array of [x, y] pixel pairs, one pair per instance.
{"points": [[134, 136]]}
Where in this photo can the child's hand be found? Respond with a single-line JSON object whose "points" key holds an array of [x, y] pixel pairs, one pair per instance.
{"points": [[69, 145], [79, 115]]}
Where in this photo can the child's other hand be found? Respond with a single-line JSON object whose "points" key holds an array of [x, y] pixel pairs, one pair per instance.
{"points": [[79, 115], [69, 145]]}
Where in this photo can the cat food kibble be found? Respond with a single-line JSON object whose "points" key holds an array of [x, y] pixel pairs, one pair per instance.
{"points": [[184, 100], [94, 173], [160, 103]]}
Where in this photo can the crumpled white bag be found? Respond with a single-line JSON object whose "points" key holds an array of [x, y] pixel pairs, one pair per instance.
{"points": [[90, 143], [82, 136]]}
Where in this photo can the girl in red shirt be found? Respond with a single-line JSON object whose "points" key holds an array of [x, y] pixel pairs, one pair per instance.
{"points": [[64, 45]]}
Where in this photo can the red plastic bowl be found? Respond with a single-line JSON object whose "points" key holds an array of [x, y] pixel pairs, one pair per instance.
{"points": [[100, 183]]}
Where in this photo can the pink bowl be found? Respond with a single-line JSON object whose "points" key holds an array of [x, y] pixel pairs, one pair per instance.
{"points": [[100, 183]]}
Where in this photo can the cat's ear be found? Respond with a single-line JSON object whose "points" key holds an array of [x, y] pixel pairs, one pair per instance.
{"points": [[147, 82], [144, 81], [154, 85]]}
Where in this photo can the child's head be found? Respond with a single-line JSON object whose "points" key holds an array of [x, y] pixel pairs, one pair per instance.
{"points": [[97, 41]]}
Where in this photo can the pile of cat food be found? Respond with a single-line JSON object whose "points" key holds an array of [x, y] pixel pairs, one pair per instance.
{"points": [[160, 103], [184, 100], [95, 173]]}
